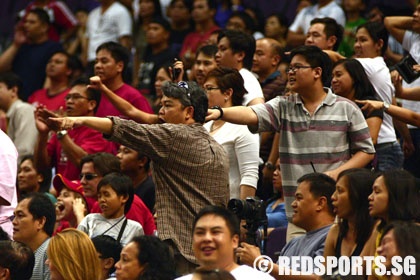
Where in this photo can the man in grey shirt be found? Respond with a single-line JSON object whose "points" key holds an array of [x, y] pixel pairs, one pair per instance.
{"points": [[33, 225]]}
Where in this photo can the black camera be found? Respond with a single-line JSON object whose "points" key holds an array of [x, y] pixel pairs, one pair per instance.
{"points": [[252, 210]]}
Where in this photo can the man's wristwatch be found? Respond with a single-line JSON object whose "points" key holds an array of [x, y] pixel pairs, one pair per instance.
{"points": [[386, 106], [61, 134], [270, 166], [220, 110]]}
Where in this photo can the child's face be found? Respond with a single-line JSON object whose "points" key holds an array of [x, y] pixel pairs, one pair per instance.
{"points": [[64, 205], [111, 204]]}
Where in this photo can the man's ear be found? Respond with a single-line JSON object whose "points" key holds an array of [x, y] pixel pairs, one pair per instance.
{"points": [[190, 112], [331, 41], [322, 203], [318, 72], [41, 223], [125, 198], [235, 241], [240, 56], [108, 263], [275, 61], [120, 66], [4, 274], [92, 105]]}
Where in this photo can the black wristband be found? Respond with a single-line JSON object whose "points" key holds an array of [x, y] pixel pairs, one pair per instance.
{"points": [[220, 110]]}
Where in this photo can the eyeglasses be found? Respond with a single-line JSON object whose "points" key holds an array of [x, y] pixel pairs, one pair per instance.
{"points": [[74, 96], [183, 84], [88, 176], [208, 89], [295, 68]]}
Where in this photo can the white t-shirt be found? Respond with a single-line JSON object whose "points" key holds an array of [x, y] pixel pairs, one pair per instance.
{"points": [[304, 17], [379, 76], [242, 272], [242, 148], [95, 224], [110, 26], [411, 43], [251, 85]]}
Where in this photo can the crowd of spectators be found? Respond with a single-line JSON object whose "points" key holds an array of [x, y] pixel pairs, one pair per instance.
{"points": [[129, 128]]}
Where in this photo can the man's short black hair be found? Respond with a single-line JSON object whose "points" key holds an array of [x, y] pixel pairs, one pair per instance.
{"points": [[240, 42], [121, 184], [92, 94], [18, 258], [316, 58], [331, 28], [41, 14], [107, 247], [39, 205], [118, 52], [320, 184], [103, 163], [230, 218], [11, 80]]}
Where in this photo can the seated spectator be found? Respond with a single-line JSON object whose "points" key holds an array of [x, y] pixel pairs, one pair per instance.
{"points": [[179, 13], [325, 33], [71, 255], [313, 211], [60, 69], [65, 149], [33, 225], [276, 28], [31, 46], [63, 21], [109, 251], [71, 206], [203, 12], [394, 197], [157, 53], [94, 168], [162, 75], [276, 213], [215, 249], [236, 50], [351, 205], [115, 195], [137, 166], [20, 115], [204, 63], [31, 180], [242, 21], [354, 10], [16, 260], [400, 239], [146, 257], [300, 26]]}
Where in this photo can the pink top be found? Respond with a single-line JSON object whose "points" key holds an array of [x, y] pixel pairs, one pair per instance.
{"points": [[88, 139], [53, 103], [132, 95]]}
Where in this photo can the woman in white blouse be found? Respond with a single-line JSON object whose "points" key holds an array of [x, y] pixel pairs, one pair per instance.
{"points": [[225, 88]]}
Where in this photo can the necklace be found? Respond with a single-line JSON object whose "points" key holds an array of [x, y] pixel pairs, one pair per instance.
{"points": [[215, 127]]}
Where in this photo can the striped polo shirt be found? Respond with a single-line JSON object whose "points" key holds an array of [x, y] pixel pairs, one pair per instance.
{"points": [[327, 139]]}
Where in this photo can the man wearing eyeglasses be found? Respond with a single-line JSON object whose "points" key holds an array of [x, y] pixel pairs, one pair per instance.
{"points": [[190, 168], [65, 149], [318, 129]]}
